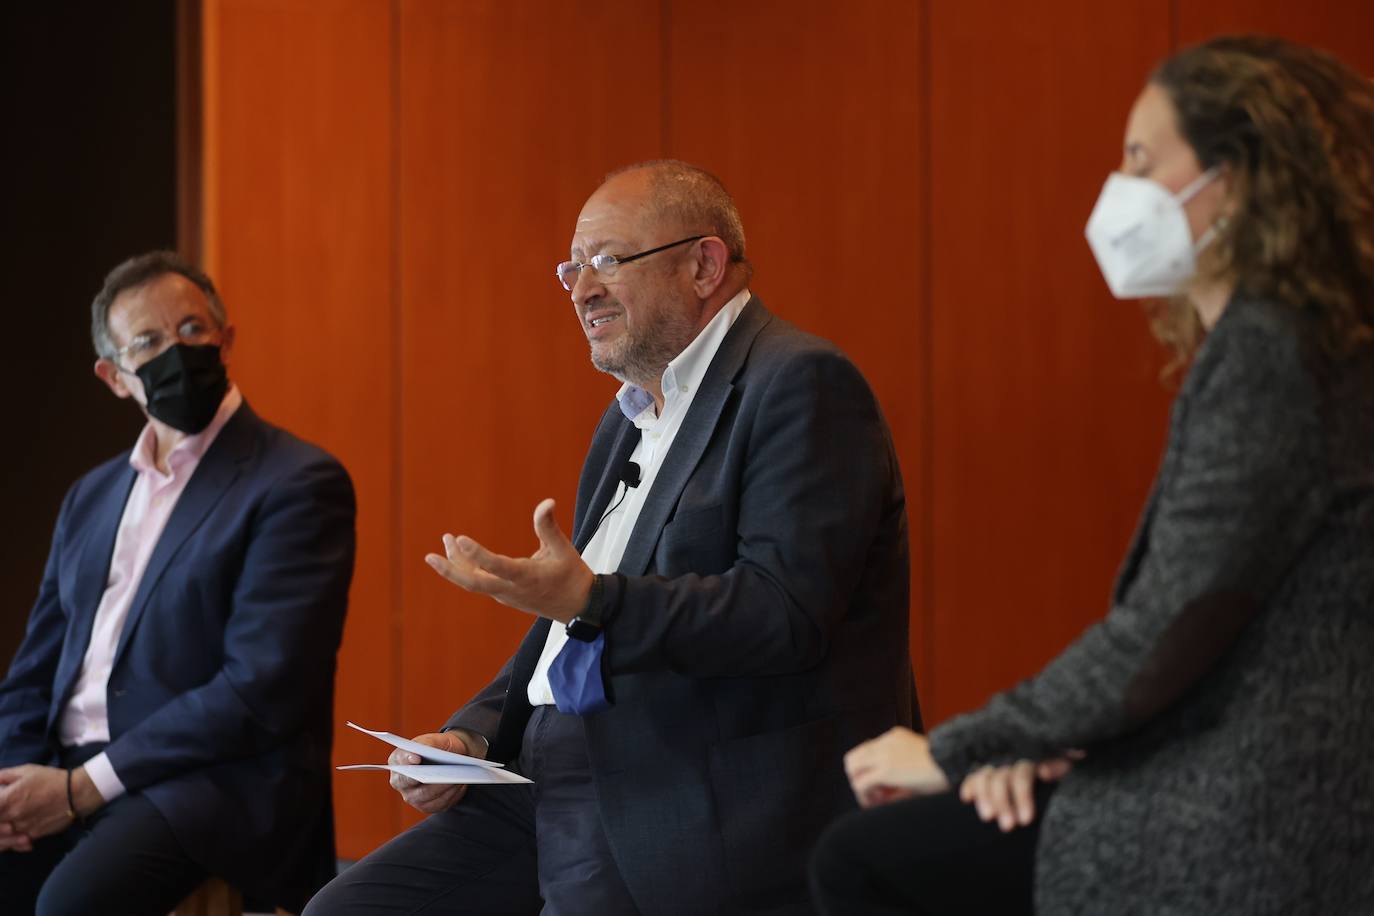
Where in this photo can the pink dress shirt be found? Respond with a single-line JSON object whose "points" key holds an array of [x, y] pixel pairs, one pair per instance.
{"points": [[85, 719]]}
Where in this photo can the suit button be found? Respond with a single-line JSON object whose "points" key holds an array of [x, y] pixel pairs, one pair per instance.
{"points": [[120, 693]]}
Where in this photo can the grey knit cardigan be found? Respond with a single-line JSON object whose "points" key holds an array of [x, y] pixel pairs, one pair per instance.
{"points": [[1226, 701]]}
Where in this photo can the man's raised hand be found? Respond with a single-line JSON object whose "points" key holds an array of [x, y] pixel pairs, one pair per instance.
{"points": [[553, 582]]}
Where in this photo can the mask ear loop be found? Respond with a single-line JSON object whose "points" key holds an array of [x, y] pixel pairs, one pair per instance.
{"points": [[1209, 236], [1191, 191], [1197, 184]]}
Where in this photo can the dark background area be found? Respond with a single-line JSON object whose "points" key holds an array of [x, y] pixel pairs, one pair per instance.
{"points": [[89, 160]]}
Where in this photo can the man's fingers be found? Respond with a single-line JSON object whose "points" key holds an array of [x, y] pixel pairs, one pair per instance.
{"points": [[403, 758], [422, 793], [546, 528], [446, 568], [480, 557], [431, 799], [445, 799], [462, 573], [403, 784]]}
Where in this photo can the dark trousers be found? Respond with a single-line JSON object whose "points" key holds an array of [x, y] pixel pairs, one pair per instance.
{"points": [[123, 861], [502, 849], [928, 856]]}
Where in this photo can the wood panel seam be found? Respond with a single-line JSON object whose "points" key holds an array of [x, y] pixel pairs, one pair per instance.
{"points": [[925, 316], [397, 610], [665, 63]]}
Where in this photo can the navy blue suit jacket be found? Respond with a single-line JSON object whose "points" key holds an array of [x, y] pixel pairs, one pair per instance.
{"points": [[221, 695], [756, 629]]}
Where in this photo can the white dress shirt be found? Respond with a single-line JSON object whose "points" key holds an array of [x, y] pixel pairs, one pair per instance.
{"points": [[85, 719], [656, 433]]}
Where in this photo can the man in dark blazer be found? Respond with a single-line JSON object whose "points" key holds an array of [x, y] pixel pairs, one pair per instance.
{"points": [[168, 714], [730, 614]]}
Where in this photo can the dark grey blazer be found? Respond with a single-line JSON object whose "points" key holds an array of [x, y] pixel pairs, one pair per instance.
{"points": [[757, 628], [1226, 702]]}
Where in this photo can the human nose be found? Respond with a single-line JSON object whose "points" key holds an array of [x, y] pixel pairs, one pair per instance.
{"points": [[587, 287]]}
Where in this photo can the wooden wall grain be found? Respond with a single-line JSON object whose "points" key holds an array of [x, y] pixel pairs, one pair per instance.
{"points": [[388, 183]]}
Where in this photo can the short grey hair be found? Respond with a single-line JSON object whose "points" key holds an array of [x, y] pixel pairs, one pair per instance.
{"points": [[695, 199], [135, 272]]}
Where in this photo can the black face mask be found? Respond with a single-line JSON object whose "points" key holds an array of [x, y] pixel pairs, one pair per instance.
{"points": [[184, 385]]}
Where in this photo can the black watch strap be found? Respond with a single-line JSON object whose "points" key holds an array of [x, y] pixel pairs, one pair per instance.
{"points": [[586, 626]]}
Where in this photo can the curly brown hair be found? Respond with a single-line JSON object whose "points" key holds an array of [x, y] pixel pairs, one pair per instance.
{"points": [[1295, 128]]}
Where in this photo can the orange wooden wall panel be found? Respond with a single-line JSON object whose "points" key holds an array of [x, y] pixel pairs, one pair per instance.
{"points": [[1343, 27], [388, 184], [813, 120], [298, 230], [508, 122], [1048, 419], [1047, 411]]}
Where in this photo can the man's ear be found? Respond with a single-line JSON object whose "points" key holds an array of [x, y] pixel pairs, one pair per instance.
{"points": [[107, 372], [226, 343], [712, 264]]}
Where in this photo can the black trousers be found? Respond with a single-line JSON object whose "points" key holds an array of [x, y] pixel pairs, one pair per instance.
{"points": [[929, 856], [124, 861], [518, 850]]}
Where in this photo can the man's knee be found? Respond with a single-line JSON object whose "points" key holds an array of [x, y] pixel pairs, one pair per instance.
{"points": [[69, 898], [329, 899]]}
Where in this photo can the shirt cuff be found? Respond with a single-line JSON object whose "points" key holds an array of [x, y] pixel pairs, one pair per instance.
{"points": [[103, 777]]}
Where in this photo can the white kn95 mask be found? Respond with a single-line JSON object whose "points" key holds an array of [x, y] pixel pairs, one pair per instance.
{"points": [[1140, 237]]}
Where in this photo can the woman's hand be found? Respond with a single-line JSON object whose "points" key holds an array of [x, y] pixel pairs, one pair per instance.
{"points": [[896, 764], [1006, 794]]}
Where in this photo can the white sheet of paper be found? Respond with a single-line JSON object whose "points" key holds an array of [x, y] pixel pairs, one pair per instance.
{"points": [[451, 774], [427, 753]]}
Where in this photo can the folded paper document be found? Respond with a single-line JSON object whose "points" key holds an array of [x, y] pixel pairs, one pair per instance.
{"points": [[464, 774], [439, 766], [424, 751]]}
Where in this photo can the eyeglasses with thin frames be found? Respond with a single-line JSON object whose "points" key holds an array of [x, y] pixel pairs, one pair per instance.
{"points": [[150, 343], [607, 264]]}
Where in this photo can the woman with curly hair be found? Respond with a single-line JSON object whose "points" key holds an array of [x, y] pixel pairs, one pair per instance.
{"points": [[1215, 731]]}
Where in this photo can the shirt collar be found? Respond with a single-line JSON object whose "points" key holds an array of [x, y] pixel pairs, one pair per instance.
{"points": [[189, 449], [686, 370]]}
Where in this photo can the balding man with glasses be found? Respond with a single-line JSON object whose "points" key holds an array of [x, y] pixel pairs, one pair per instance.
{"points": [[728, 617], [168, 713]]}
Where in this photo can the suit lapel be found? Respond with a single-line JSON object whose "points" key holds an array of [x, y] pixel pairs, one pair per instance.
{"points": [[92, 567], [214, 475], [621, 450], [527, 656], [682, 458], [692, 438]]}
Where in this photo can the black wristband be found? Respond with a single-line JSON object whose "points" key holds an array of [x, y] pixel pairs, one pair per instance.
{"points": [[586, 626], [71, 801]]}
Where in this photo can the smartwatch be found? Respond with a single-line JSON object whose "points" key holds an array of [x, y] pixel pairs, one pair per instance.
{"points": [[586, 626]]}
